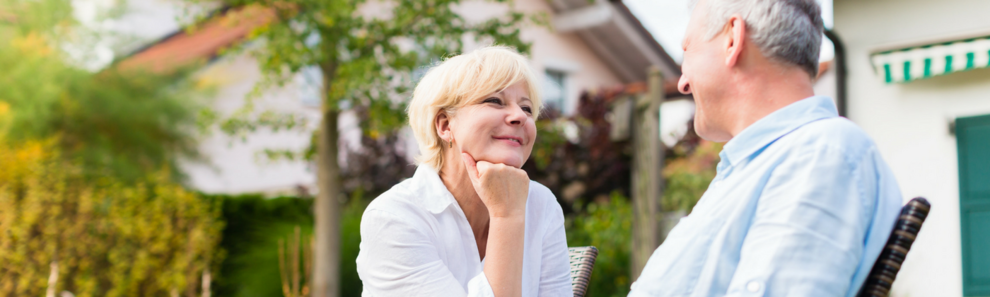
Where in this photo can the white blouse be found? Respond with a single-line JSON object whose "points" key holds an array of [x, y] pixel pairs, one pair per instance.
{"points": [[416, 241]]}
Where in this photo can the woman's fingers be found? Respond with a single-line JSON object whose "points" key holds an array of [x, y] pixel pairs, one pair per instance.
{"points": [[502, 188], [484, 167]]}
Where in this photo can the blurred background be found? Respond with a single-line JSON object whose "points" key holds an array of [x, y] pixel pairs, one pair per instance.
{"points": [[228, 148]]}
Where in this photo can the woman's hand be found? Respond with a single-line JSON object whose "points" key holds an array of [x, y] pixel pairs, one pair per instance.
{"points": [[504, 189]]}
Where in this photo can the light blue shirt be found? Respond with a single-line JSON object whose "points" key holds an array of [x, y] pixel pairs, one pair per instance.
{"points": [[801, 206]]}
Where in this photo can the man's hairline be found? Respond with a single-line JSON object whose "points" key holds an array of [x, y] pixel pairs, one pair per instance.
{"points": [[709, 35]]}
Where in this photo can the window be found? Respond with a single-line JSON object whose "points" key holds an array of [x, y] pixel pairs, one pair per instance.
{"points": [[973, 138], [554, 89]]}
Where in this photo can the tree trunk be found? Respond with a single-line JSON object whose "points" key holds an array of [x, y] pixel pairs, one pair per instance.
{"points": [[326, 274], [647, 181]]}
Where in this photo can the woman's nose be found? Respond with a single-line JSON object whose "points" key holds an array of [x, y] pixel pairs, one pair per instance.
{"points": [[683, 85], [516, 116]]}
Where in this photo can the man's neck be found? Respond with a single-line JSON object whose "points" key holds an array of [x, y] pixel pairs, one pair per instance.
{"points": [[761, 94]]}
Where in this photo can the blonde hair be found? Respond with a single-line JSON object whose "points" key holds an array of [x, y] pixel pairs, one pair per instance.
{"points": [[458, 81]]}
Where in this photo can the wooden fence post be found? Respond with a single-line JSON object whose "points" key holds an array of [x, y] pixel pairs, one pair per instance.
{"points": [[647, 183]]}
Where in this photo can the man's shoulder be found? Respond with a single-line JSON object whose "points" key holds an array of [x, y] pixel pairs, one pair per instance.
{"points": [[834, 134]]}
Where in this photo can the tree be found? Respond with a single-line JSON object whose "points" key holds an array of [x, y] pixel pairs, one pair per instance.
{"points": [[364, 61], [117, 123], [87, 201]]}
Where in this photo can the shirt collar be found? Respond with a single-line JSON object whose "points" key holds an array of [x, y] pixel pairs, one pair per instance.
{"points": [[775, 125], [435, 196]]}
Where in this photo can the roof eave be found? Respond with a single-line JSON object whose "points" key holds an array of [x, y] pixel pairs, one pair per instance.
{"points": [[616, 35]]}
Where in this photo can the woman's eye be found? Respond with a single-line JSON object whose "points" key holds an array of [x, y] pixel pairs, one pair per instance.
{"points": [[527, 109], [493, 100]]}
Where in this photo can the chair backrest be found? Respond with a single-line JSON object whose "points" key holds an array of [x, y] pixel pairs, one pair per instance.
{"points": [[889, 262], [582, 262]]}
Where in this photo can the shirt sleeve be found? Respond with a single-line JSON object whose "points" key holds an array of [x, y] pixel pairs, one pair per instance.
{"points": [[397, 258], [555, 274], [807, 233], [480, 287]]}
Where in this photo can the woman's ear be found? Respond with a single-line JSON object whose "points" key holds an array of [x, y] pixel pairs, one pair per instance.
{"points": [[442, 124]]}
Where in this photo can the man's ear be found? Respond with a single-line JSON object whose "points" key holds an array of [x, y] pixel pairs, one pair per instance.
{"points": [[735, 39], [442, 123]]}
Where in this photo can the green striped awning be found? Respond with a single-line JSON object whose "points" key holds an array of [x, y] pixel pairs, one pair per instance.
{"points": [[913, 63]]}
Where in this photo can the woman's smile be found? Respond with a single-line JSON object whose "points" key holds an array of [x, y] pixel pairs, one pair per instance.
{"points": [[511, 140]]}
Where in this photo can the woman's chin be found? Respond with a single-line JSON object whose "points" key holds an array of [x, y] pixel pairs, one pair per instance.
{"points": [[516, 164], [514, 161]]}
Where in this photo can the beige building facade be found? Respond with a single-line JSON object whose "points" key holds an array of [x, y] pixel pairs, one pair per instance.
{"points": [[903, 94]]}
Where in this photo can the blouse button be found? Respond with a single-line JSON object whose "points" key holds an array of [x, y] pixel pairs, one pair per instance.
{"points": [[753, 287]]}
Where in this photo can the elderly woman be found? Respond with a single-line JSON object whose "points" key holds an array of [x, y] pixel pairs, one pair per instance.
{"points": [[469, 222]]}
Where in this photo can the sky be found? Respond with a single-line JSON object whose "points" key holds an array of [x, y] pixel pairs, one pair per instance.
{"points": [[667, 20]]}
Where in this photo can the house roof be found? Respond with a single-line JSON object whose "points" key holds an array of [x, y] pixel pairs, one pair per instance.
{"points": [[616, 35], [201, 43]]}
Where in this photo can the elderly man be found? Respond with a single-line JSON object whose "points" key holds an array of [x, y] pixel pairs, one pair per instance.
{"points": [[802, 203]]}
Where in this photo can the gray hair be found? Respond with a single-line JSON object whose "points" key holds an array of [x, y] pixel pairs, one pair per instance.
{"points": [[788, 31]]}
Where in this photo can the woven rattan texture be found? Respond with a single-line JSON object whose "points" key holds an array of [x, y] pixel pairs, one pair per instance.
{"points": [[582, 262], [906, 229]]}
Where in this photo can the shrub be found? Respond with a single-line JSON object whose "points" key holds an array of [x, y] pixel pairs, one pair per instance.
{"points": [[98, 238], [605, 225], [253, 227], [574, 156], [250, 241], [688, 174]]}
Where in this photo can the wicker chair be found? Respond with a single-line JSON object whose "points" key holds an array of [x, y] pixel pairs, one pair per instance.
{"points": [[582, 262], [889, 262]]}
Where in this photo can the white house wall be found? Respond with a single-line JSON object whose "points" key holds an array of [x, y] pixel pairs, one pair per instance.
{"points": [[564, 52], [910, 123], [235, 166], [825, 84]]}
